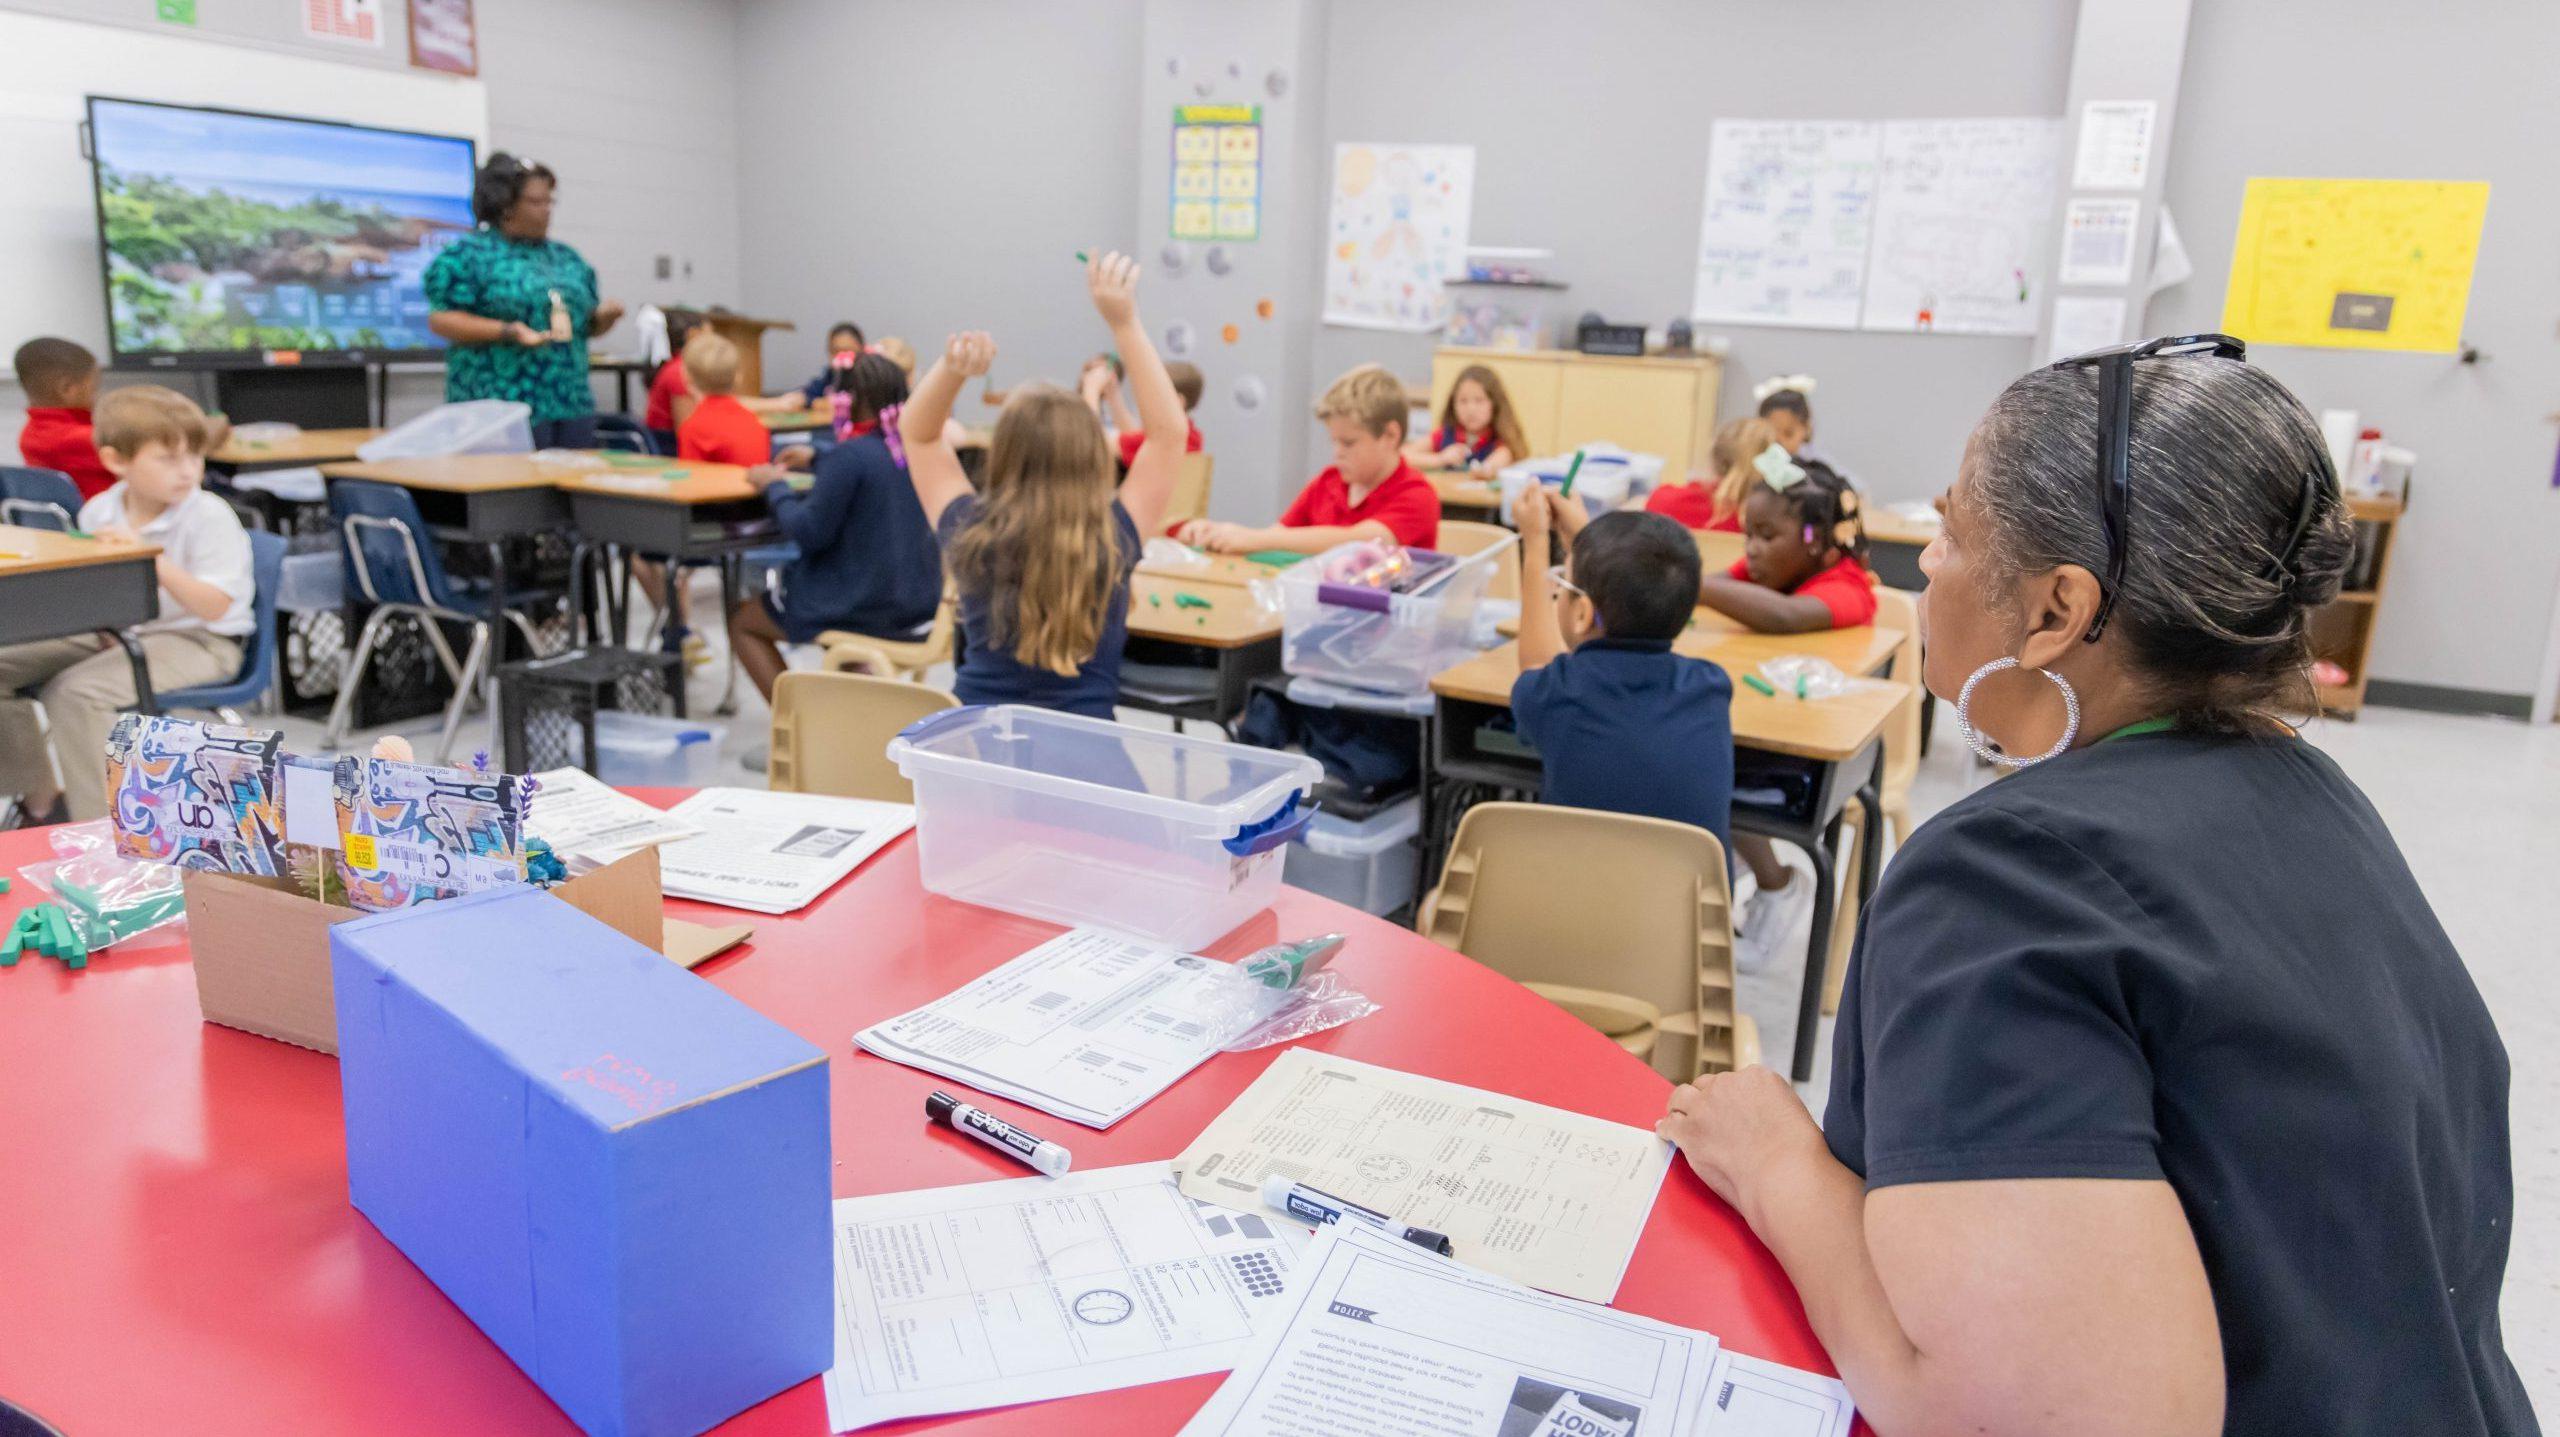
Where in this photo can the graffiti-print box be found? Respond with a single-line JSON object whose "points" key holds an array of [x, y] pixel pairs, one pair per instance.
{"points": [[616, 1169]]}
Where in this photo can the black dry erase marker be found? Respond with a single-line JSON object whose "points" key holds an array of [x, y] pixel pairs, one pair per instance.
{"points": [[1309, 1205], [995, 1132]]}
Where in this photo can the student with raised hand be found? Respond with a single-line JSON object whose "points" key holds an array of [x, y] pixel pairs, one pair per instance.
{"points": [[2161, 1103], [1042, 559]]}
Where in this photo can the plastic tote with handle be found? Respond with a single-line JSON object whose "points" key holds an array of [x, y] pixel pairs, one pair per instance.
{"points": [[1084, 821], [472, 426]]}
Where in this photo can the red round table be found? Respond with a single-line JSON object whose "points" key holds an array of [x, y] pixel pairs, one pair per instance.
{"points": [[177, 1252]]}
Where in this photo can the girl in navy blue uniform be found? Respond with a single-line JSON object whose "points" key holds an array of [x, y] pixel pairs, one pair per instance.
{"points": [[1042, 559], [867, 560], [1478, 429]]}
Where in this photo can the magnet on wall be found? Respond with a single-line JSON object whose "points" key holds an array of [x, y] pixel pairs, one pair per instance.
{"points": [[1234, 70], [1262, 308], [1173, 64], [1201, 88], [1219, 263], [1276, 84], [1249, 393], [1230, 333], [1175, 257], [1177, 337]]}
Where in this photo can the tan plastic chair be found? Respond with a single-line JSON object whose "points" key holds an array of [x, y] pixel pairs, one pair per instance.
{"points": [[1624, 922], [1190, 497], [1895, 609], [831, 733], [1467, 538], [844, 652]]}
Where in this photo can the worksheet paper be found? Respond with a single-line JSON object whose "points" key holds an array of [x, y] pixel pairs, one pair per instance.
{"points": [[581, 816], [1747, 1397], [1380, 1338], [1532, 1193], [960, 1298], [773, 852], [1088, 1026]]}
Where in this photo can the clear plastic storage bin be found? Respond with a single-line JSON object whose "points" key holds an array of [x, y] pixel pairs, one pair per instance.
{"points": [[1610, 478], [644, 750], [1083, 821], [472, 426], [1374, 640], [1370, 863]]}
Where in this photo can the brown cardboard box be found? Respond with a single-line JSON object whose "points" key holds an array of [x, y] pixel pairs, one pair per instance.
{"points": [[262, 949]]}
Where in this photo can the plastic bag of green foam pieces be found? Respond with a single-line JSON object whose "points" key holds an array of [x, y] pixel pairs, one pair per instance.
{"points": [[112, 900]]}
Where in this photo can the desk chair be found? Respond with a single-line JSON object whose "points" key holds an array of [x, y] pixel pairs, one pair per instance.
{"points": [[623, 433], [258, 664], [1624, 922], [399, 574], [831, 733], [1467, 538], [1190, 498], [1900, 610], [38, 498], [843, 651]]}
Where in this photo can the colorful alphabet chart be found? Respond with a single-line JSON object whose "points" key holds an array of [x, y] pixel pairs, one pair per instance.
{"points": [[1217, 172]]}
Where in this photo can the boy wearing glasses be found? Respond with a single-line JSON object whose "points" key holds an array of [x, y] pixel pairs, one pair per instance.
{"points": [[1622, 722]]}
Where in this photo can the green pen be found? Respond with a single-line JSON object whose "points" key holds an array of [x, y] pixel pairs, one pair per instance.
{"points": [[1761, 684], [1083, 258], [1570, 471]]}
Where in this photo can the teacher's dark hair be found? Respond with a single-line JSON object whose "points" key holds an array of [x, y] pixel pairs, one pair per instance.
{"points": [[2220, 454], [501, 183]]}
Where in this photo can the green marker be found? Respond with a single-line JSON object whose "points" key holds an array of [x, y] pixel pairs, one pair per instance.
{"points": [[1575, 468], [1083, 258], [1761, 684], [1799, 686]]}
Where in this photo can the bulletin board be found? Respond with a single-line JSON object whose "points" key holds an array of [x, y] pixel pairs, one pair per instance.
{"points": [[1217, 172], [2355, 264]]}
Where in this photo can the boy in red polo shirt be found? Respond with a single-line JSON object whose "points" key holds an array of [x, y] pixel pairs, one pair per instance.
{"points": [[1100, 386], [1369, 493], [720, 430], [61, 383]]}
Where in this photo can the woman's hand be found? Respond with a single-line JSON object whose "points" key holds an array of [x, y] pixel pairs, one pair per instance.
{"points": [[970, 353], [1733, 1127], [522, 333], [606, 316], [1113, 282]]}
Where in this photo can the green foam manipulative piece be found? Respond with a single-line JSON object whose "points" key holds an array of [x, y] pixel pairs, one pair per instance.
{"points": [[4, 886]]}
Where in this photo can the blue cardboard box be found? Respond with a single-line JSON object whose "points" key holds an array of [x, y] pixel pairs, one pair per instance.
{"points": [[616, 1169]]}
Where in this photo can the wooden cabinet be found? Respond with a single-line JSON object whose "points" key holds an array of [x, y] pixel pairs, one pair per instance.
{"points": [[2342, 631], [1662, 405]]}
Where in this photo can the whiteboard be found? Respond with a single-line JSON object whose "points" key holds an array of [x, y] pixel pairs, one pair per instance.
{"points": [[1964, 218], [1788, 209], [1395, 229], [48, 66]]}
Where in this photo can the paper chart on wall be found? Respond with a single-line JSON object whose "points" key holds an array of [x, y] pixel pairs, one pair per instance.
{"points": [[1783, 237], [2097, 240], [2115, 145], [2355, 264], [1963, 225], [1396, 229]]}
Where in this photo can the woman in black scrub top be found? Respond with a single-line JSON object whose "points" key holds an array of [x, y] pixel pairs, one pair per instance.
{"points": [[2160, 1103]]}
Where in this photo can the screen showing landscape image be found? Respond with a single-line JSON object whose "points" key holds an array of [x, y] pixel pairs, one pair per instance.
{"points": [[233, 234]]}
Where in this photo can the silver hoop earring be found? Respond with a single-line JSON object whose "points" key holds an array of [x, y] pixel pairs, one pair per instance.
{"points": [[1989, 752]]}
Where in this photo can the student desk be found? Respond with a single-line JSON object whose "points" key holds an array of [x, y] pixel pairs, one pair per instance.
{"points": [[793, 421], [311, 446], [714, 511], [183, 1234], [623, 372], [483, 499], [1233, 636], [1820, 744], [54, 585], [1229, 570], [1893, 548], [1464, 496]]}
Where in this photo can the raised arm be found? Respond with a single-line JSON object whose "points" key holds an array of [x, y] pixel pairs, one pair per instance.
{"points": [[1112, 280], [933, 466], [1541, 637]]}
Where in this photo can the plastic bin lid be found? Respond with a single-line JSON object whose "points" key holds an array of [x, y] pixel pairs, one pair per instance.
{"points": [[1144, 770]]}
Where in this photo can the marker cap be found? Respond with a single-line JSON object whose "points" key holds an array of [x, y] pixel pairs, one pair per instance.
{"points": [[940, 1106]]}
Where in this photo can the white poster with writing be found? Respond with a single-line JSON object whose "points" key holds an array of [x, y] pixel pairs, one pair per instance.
{"points": [[1963, 225], [1783, 237]]}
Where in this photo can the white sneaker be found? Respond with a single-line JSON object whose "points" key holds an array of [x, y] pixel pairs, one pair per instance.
{"points": [[1773, 917]]}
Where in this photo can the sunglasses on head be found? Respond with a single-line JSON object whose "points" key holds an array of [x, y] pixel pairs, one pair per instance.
{"points": [[2115, 453]]}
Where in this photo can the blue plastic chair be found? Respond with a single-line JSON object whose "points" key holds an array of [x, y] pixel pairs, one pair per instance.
{"points": [[622, 432], [258, 665], [38, 498], [398, 572]]}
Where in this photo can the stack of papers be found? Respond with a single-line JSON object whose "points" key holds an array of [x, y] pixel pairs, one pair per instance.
{"points": [[1384, 1339], [959, 1298], [773, 852], [584, 818], [1532, 1193], [1088, 1026]]}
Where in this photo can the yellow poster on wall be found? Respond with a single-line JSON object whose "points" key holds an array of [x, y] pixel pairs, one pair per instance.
{"points": [[2355, 264]]}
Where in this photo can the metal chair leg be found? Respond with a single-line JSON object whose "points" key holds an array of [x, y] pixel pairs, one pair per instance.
{"points": [[464, 686], [353, 677]]}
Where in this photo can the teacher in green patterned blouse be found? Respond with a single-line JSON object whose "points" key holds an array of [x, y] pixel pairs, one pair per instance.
{"points": [[518, 307]]}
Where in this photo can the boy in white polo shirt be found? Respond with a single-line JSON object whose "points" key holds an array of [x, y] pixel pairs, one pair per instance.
{"points": [[153, 440]]}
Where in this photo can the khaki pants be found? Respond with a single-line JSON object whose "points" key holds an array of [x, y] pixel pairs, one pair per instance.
{"points": [[84, 683]]}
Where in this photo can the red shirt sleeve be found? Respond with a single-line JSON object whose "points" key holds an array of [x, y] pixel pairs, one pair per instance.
{"points": [[1741, 570], [1130, 440], [1411, 511], [70, 448], [1303, 512], [1844, 590]]}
